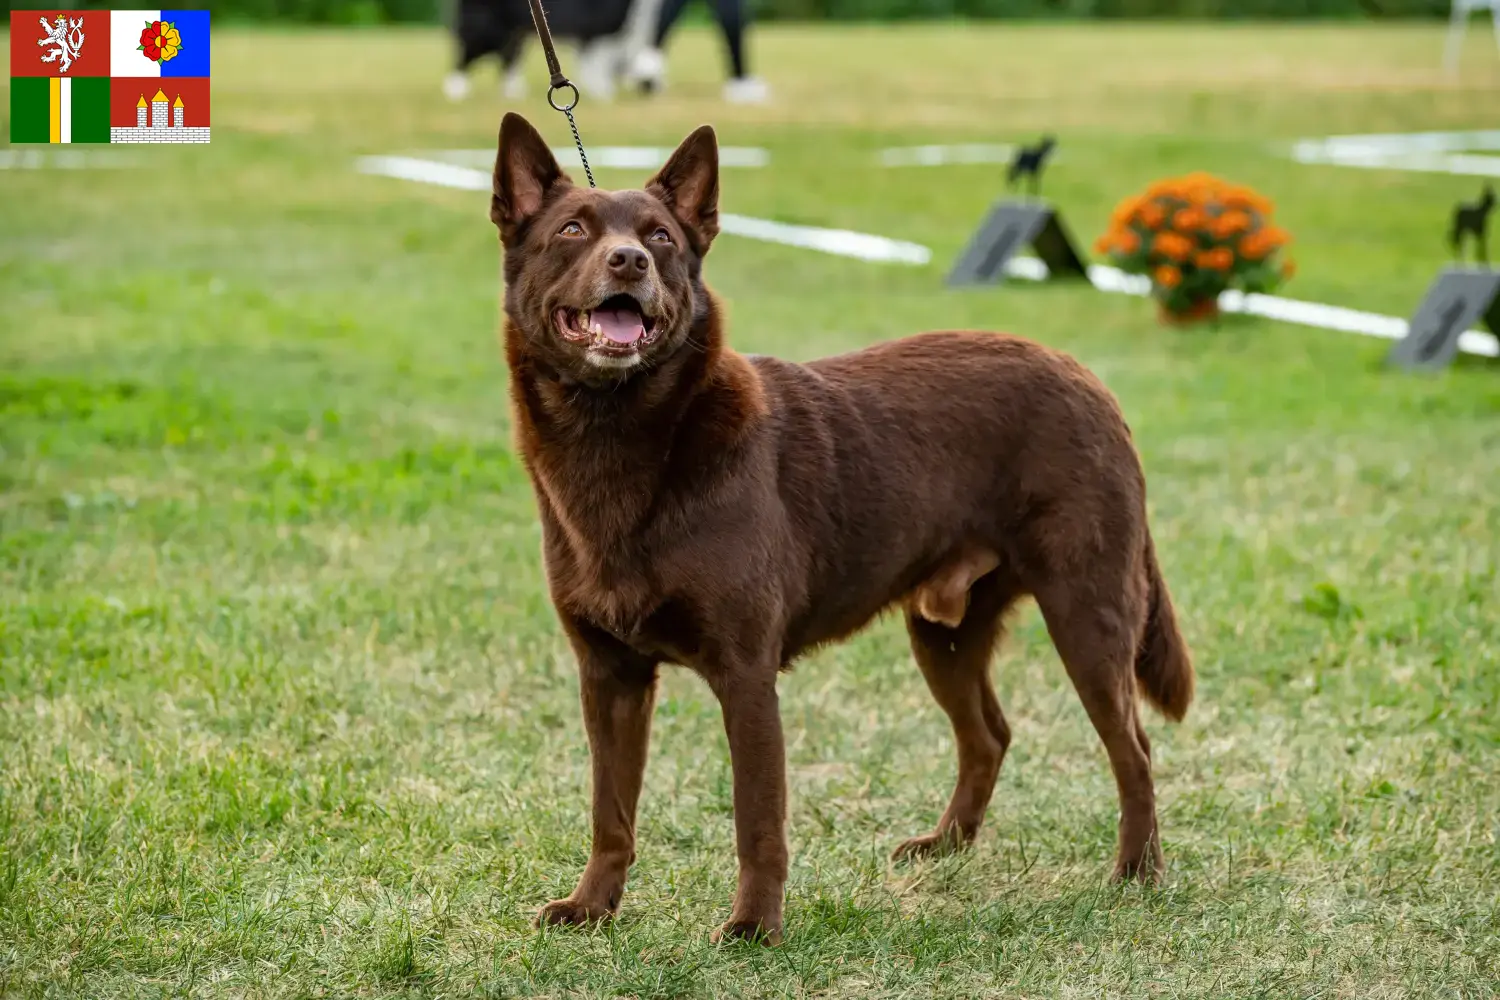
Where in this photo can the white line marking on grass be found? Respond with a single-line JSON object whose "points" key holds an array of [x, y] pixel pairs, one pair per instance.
{"points": [[1316, 314], [619, 157], [1423, 152], [60, 159], [865, 246], [408, 168], [840, 242], [1420, 142], [937, 156]]}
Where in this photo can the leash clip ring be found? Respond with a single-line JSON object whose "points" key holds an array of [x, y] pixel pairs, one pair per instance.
{"points": [[565, 85]]}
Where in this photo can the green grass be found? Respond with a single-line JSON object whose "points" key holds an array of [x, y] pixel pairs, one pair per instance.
{"points": [[284, 711]]}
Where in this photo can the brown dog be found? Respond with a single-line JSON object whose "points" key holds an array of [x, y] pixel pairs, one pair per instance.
{"points": [[702, 508]]}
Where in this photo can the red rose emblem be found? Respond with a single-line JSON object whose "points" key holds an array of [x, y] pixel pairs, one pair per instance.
{"points": [[151, 41]]}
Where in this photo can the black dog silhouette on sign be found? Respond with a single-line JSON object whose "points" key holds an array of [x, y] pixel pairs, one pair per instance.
{"points": [[1472, 221], [1030, 161]]}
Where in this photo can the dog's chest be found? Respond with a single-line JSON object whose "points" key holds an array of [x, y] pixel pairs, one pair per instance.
{"points": [[624, 593], [662, 627]]}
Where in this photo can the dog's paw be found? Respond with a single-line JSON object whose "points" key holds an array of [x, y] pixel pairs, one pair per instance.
{"points": [[1144, 865], [753, 931], [1146, 873], [571, 913], [929, 845]]}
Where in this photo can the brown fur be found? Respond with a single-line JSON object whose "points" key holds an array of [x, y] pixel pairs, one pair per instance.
{"points": [[728, 514]]}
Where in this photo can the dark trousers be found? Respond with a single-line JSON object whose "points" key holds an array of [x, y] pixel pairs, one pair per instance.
{"points": [[731, 17]]}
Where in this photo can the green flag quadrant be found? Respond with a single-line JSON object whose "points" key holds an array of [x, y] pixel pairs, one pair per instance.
{"points": [[61, 110]]}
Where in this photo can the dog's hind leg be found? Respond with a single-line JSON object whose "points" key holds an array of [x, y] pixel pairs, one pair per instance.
{"points": [[1095, 620], [955, 661]]}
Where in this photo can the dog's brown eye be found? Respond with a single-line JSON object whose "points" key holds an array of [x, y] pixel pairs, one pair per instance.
{"points": [[661, 236], [571, 229]]}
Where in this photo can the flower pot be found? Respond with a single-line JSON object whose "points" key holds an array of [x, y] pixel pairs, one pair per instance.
{"points": [[1197, 311]]}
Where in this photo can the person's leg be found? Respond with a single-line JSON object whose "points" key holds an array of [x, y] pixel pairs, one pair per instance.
{"points": [[671, 10], [731, 18], [741, 88], [510, 64], [646, 67]]}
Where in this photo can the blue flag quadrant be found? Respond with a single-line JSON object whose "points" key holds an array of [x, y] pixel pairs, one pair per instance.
{"points": [[193, 60]]}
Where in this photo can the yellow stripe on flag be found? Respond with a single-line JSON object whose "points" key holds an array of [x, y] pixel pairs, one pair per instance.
{"points": [[54, 121]]}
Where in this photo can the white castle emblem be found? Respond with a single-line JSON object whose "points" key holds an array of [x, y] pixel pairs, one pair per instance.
{"points": [[157, 121], [66, 38]]}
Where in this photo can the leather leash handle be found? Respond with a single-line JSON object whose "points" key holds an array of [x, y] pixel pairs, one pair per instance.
{"points": [[539, 18], [559, 82]]}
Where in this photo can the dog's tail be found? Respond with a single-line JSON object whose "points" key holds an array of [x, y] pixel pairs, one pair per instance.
{"points": [[1163, 665]]}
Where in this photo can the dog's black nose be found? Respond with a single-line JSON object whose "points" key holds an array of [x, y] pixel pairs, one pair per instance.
{"points": [[628, 262]]}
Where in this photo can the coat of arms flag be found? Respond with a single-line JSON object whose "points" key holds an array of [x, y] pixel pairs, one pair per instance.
{"points": [[109, 76]]}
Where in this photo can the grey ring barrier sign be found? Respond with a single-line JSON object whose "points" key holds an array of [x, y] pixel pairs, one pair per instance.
{"points": [[1010, 226], [1458, 299]]}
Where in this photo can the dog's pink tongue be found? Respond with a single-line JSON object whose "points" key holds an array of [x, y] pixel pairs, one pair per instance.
{"points": [[622, 326]]}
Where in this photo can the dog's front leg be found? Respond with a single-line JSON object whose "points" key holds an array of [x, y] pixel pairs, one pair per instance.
{"points": [[618, 688], [752, 719]]}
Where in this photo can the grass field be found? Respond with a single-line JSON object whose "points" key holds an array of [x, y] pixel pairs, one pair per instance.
{"points": [[284, 711]]}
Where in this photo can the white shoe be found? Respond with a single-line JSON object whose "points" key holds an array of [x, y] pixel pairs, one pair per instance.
{"points": [[648, 70], [747, 90], [597, 63], [515, 84], [456, 86]]}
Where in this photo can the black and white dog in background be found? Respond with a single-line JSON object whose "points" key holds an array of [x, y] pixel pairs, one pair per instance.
{"points": [[618, 40]]}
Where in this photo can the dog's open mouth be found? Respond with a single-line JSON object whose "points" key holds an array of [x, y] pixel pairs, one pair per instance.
{"points": [[616, 326]]}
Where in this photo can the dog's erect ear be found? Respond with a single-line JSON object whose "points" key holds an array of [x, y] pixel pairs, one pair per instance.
{"points": [[689, 184], [525, 172]]}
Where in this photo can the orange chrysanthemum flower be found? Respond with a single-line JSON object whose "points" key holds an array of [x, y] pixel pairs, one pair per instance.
{"points": [[1173, 246], [1188, 220], [1231, 222], [1199, 225], [1125, 212], [1217, 259], [1243, 198], [1257, 246], [1124, 241], [1200, 188], [1277, 236]]}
